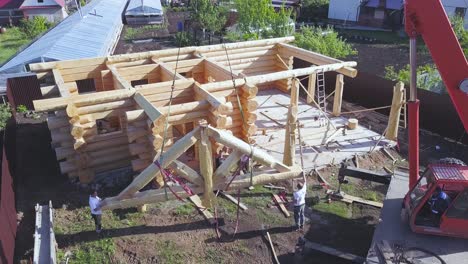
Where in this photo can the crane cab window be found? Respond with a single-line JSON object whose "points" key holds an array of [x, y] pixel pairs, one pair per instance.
{"points": [[459, 208]]}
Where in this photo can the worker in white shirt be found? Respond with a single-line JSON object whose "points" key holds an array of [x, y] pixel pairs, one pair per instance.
{"points": [[299, 204], [95, 210]]}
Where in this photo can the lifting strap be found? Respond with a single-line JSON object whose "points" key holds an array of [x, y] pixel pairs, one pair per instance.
{"points": [[166, 125]]}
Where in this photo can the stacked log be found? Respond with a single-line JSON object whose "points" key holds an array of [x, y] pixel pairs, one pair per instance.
{"points": [[283, 63], [233, 120], [83, 152]]}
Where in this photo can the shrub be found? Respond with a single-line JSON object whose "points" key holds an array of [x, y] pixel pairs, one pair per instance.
{"points": [[21, 109], [183, 39], [324, 41], [5, 114], [34, 27], [428, 77]]}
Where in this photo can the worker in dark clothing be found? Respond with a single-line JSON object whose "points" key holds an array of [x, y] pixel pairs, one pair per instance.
{"points": [[439, 202]]}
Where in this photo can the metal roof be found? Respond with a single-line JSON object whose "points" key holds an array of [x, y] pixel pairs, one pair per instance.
{"points": [[450, 172], [44, 3], [140, 7], [76, 37]]}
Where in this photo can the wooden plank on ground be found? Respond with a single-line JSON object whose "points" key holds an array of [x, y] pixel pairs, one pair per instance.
{"points": [[334, 252], [272, 248], [195, 199], [346, 198], [232, 199], [280, 203]]}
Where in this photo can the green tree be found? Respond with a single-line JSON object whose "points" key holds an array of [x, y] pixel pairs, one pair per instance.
{"points": [[258, 19], [210, 17], [324, 41], [5, 114], [34, 27], [183, 39], [428, 77], [458, 25]]}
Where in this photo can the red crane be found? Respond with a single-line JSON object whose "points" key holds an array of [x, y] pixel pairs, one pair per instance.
{"points": [[427, 18]]}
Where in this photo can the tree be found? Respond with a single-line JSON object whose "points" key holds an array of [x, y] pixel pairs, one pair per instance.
{"points": [[5, 114], [458, 25], [34, 27], [258, 19], [209, 16], [428, 77], [324, 41], [314, 10]]}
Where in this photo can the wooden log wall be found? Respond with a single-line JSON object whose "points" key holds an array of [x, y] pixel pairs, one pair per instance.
{"points": [[83, 151]]}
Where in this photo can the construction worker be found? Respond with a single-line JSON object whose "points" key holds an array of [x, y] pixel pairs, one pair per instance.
{"points": [[95, 209], [439, 202], [299, 204]]}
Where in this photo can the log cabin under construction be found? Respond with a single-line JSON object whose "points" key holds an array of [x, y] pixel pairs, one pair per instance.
{"points": [[111, 112]]}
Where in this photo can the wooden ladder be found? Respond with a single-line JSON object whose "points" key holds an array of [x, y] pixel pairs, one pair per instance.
{"points": [[403, 115], [321, 96]]}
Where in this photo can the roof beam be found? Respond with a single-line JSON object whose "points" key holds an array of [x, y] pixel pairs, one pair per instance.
{"points": [[276, 76], [314, 58], [63, 90]]}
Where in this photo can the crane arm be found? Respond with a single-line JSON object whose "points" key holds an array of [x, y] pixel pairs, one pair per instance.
{"points": [[428, 19]]}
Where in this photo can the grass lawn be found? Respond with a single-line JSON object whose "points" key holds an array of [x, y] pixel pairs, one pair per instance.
{"points": [[10, 42]]}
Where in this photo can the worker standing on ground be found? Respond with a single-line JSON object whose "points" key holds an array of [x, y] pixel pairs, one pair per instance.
{"points": [[299, 204], [95, 210]]}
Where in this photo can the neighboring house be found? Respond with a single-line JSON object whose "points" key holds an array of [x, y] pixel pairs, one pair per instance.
{"points": [[93, 32], [383, 13], [457, 7], [141, 12], [53, 10], [372, 13], [10, 14]]}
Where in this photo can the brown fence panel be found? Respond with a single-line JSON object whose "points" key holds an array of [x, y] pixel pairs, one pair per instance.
{"points": [[23, 91], [7, 212]]}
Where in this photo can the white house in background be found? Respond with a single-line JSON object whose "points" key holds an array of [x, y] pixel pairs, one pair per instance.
{"points": [[457, 7], [53, 10], [344, 10], [383, 13]]}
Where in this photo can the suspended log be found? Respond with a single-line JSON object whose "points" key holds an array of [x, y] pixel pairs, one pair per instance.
{"points": [[186, 172], [235, 143], [206, 165], [228, 165], [154, 196]]}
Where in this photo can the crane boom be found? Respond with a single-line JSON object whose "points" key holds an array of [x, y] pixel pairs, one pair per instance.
{"points": [[428, 19]]}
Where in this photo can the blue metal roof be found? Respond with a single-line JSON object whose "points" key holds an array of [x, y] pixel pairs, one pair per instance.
{"points": [[76, 37], [139, 7]]}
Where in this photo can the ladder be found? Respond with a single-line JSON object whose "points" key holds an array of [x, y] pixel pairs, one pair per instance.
{"points": [[403, 115], [321, 96]]}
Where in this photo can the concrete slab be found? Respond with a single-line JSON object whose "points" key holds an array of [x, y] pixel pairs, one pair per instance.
{"points": [[273, 103], [394, 230]]}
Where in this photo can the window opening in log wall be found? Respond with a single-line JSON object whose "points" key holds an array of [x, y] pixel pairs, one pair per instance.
{"points": [[86, 86], [139, 82], [108, 125]]}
